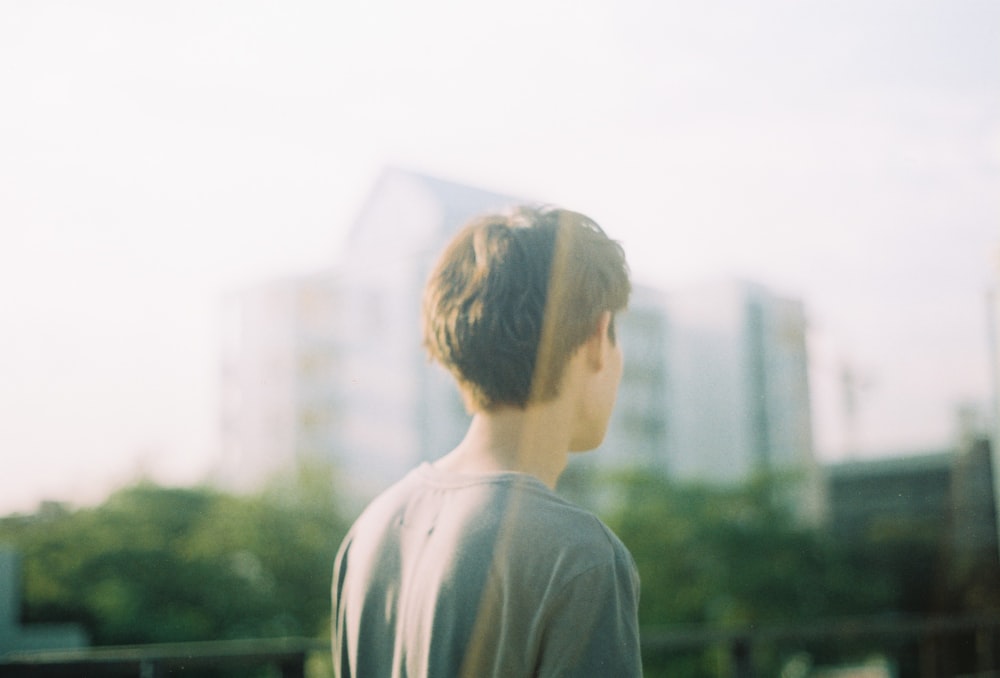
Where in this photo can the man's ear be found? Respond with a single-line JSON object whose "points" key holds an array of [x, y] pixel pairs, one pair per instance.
{"points": [[597, 343]]}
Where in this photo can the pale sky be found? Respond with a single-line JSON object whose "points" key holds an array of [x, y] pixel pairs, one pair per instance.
{"points": [[155, 155]]}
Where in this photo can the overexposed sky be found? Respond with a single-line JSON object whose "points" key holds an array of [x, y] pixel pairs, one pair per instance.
{"points": [[155, 155]]}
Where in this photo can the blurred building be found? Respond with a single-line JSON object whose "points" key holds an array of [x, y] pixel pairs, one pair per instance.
{"points": [[396, 408], [716, 385], [15, 637], [890, 496], [972, 530], [944, 498], [331, 365], [279, 377], [929, 522], [637, 432], [738, 363], [993, 326]]}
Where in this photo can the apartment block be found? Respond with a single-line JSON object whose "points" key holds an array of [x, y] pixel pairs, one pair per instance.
{"points": [[331, 365]]}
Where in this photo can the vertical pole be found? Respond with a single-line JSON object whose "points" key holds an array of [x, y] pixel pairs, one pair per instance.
{"points": [[984, 649], [741, 654], [149, 668], [294, 667], [928, 657], [993, 341]]}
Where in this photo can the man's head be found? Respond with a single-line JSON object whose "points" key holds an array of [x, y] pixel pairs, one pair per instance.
{"points": [[514, 296]]}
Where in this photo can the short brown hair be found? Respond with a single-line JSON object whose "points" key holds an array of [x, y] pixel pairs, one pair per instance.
{"points": [[514, 295]]}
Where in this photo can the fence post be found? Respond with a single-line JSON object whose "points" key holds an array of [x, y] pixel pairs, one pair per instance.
{"points": [[149, 668], [294, 668], [740, 652]]}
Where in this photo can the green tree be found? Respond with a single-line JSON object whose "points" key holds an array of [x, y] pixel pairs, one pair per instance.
{"points": [[734, 558], [154, 564]]}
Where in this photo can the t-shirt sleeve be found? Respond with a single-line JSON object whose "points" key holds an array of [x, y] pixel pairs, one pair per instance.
{"points": [[592, 628]]}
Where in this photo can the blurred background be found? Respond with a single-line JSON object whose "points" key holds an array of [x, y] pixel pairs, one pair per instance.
{"points": [[215, 220]]}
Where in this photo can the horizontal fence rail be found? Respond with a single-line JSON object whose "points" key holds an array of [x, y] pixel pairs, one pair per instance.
{"points": [[927, 634], [288, 656], [672, 638]]}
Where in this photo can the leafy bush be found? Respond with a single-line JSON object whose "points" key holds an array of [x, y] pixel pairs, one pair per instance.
{"points": [[154, 564]]}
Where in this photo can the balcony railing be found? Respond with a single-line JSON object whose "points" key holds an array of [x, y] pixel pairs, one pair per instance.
{"points": [[285, 656], [931, 643]]}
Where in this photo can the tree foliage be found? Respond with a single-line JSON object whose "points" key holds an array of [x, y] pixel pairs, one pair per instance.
{"points": [[729, 557], [155, 564], [737, 559]]}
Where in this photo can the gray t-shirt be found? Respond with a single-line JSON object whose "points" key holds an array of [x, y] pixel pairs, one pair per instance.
{"points": [[447, 574]]}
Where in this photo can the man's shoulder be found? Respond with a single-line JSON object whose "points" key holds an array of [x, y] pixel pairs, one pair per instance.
{"points": [[544, 528], [527, 515], [390, 501]]}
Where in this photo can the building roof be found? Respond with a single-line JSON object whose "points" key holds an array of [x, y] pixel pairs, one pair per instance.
{"points": [[925, 461], [458, 201]]}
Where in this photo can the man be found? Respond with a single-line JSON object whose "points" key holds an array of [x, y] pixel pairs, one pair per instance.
{"points": [[473, 566]]}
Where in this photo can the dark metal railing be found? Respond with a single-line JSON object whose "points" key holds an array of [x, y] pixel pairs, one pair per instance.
{"points": [[927, 636], [288, 656]]}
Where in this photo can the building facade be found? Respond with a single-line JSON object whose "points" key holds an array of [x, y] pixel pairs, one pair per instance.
{"points": [[279, 374], [331, 366], [397, 409], [738, 362], [941, 501], [638, 431]]}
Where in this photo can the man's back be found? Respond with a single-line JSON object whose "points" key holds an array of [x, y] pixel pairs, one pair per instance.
{"points": [[482, 575]]}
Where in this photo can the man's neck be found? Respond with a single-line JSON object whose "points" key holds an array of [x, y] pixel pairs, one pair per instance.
{"points": [[534, 440]]}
